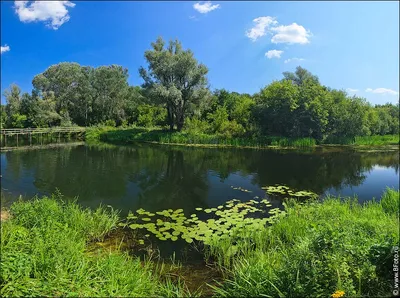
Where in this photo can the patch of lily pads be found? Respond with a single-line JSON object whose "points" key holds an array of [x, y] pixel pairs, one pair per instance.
{"points": [[285, 191], [222, 221]]}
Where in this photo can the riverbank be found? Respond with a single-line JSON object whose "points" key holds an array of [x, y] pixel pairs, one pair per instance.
{"points": [[46, 146], [159, 136], [337, 246]]}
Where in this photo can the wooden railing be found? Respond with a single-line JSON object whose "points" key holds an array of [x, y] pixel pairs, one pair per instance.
{"points": [[22, 131]]}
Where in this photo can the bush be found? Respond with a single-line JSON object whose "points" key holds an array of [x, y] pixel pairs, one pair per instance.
{"points": [[229, 129], [195, 125], [94, 133], [110, 123], [149, 115]]}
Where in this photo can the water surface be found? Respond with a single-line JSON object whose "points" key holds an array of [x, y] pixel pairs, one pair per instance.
{"points": [[156, 177]]}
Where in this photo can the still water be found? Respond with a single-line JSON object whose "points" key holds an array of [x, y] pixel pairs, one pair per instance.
{"points": [[156, 177]]}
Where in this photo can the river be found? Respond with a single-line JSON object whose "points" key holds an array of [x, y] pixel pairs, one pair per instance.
{"points": [[157, 177]]}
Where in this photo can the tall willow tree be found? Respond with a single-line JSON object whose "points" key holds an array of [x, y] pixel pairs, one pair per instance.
{"points": [[175, 79]]}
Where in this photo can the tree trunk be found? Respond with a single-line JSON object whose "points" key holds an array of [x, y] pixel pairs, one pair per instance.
{"points": [[170, 118], [180, 121], [180, 116]]}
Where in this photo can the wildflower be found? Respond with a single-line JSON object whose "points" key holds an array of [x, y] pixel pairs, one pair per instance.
{"points": [[337, 294]]}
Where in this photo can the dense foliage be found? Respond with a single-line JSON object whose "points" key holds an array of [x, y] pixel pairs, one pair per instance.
{"points": [[175, 95]]}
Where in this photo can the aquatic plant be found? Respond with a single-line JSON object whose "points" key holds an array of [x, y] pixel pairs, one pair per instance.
{"points": [[222, 222], [285, 191]]}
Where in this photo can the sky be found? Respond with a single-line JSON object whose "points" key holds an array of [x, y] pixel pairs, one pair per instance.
{"points": [[246, 45]]}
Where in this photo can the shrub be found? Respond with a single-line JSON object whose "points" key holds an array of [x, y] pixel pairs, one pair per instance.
{"points": [[110, 123], [195, 125], [149, 115]]}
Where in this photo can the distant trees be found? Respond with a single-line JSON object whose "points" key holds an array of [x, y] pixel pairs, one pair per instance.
{"points": [[86, 95], [175, 95], [174, 79], [299, 106]]}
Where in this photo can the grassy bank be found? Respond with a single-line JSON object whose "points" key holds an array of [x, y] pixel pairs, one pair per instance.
{"points": [[158, 135], [44, 252], [365, 140], [315, 249]]}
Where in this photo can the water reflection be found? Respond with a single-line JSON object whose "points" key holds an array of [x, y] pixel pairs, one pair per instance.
{"points": [[161, 177]]}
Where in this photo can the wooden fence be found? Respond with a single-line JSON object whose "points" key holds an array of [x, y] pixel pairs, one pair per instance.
{"points": [[48, 131], [23, 131]]}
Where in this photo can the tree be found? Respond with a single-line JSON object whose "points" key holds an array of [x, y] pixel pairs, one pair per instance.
{"points": [[45, 111], [135, 97], [239, 106], [110, 87], [85, 95], [300, 76], [276, 105], [174, 79], [13, 99], [311, 118], [63, 80], [3, 116], [13, 108]]}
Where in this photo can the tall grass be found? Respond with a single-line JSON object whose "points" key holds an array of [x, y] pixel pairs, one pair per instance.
{"points": [[390, 202], [127, 136], [376, 140], [94, 133], [44, 253], [163, 136], [315, 250]]}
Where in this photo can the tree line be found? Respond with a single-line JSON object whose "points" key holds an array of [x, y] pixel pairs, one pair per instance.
{"points": [[176, 95]]}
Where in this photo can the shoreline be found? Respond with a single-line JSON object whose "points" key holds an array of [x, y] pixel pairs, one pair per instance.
{"points": [[389, 147]]}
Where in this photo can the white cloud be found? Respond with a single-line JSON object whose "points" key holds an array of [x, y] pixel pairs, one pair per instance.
{"points": [[351, 90], [4, 49], [206, 7], [260, 28], [293, 33], [383, 91], [53, 13], [290, 34], [273, 54], [294, 59]]}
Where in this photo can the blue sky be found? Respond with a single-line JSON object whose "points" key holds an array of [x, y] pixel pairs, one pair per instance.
{"points": [[246, 45]]}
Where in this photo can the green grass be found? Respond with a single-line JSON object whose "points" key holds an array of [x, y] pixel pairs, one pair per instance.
{"points": [[365, 140], [315, 250], [162, 136], [93, 133], [44, 252], [312, 250], [390, 202], [127, 136], [378, 140]]}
